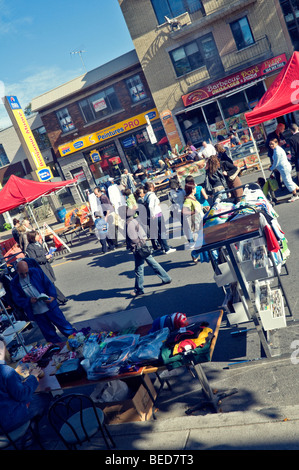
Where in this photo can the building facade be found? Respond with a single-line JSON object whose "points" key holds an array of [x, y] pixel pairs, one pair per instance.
{"points": [[207, 62], [98, 123]]}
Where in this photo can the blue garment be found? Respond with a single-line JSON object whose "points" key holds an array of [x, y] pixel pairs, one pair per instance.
{"points": [[15, 394], [139, 271], [53, 316], [282, 164], [200, 197], [101, 227]]}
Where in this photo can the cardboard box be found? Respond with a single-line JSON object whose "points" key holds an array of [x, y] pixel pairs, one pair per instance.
{"points": [[138, 407]]}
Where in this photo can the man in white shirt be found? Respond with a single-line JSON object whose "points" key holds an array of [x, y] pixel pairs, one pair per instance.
{"points": [[208, 150]]}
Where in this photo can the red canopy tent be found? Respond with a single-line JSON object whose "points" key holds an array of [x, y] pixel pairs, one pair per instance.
{"points": [[281, 98], [18, 191]]}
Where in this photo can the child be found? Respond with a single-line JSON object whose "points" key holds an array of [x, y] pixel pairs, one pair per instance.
{"points": [[101, 231]]}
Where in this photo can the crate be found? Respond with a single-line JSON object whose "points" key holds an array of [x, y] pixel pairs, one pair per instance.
{"points": [[253, 258], [239, 315]]}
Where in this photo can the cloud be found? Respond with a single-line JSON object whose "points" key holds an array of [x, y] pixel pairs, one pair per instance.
{"points": [[39, 82]]}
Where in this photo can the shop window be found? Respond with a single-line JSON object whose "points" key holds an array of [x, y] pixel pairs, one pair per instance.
{"points": [[41, 138], [254, 94], [242, 33], [173, 8], [65, 120], [99, 105], [136, 88], [138, 149], [215, 120], [3, 157]]}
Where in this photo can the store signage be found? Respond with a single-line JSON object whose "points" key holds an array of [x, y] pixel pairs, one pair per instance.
{"points": [[44, 174], [107, 133], [170, 128], [235, 80], [95, 156], [24, 132]]}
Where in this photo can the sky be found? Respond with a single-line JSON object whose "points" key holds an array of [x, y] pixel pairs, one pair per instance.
{"points": [[40, 41]]}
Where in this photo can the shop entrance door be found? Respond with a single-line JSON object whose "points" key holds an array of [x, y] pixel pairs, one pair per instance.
{"points": [[83, 185]]}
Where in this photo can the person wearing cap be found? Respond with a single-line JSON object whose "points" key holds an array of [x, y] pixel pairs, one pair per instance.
{"points": [[27, 286], [18, 402]]}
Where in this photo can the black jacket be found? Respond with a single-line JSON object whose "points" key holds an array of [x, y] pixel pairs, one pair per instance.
{"points": [[294, 147], [37, 252]]}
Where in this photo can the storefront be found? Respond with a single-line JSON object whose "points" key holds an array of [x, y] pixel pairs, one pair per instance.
{"points": [[110, 150], [217, 108]]}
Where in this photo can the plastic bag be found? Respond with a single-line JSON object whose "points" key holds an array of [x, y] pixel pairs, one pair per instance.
{"points": [[113, 391], [114, 354], [149, 347]]}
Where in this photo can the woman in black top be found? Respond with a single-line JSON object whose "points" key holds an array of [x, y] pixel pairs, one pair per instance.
{"points": [[231, 173], [36, 251], [215, 180]]}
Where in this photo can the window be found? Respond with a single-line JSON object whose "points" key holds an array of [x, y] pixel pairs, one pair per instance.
{"points": [[41, 138], [195, 54], [3, 157], [136, 88], [65, 120], [173, 8], [242, 33], [99, 105]]}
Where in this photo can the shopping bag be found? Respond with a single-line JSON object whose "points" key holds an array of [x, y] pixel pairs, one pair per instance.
{"points": [[273, 184]]}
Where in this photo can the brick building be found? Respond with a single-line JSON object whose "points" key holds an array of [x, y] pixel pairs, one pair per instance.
{"points": [[207, 62], [97, 122]]}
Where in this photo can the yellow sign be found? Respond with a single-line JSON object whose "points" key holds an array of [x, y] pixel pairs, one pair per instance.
{"points": [[108, 132], [24, 132]]}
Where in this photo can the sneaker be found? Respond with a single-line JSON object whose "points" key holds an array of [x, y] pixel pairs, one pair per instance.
{"points": [[167, 282], [171, 250], [134, 293], [293, 199]]}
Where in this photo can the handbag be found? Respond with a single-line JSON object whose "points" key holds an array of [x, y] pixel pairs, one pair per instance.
{"points": [[144, 251]]}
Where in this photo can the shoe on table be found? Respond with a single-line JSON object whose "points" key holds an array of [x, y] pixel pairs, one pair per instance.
{"points": [[171, 250], [294, 198]]}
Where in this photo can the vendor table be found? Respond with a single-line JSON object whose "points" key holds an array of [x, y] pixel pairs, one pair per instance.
{"points": [[50, 383], [226, 236]]}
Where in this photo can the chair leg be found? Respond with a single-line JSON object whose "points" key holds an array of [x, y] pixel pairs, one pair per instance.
{"points": [[110, 437]]}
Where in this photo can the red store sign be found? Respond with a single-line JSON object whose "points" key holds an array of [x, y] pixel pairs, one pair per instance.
{"points": [[235, 80]]}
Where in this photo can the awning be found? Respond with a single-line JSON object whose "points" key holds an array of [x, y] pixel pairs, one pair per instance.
{"points": [[281, 98], [18, 191]]}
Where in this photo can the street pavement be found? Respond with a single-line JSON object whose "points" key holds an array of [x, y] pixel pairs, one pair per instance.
{"points": [[263, 414]]}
